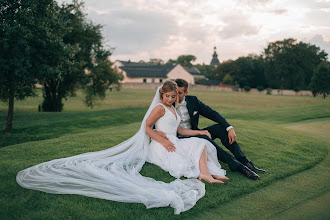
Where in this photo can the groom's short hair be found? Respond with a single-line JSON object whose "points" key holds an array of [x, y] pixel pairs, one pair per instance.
{"points": [[182, 83]]}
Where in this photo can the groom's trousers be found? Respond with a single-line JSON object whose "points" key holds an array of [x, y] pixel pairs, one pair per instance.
{"points": [[218, 131]]}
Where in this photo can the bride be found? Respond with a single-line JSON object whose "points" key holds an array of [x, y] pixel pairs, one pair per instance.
{"points": [[113, 174], [192, 157]]}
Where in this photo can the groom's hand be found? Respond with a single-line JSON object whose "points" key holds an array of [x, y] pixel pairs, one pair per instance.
{"points": [[231, 136]]}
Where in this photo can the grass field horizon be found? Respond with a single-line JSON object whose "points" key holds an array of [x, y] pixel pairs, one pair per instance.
{"points": [[291, 132]]}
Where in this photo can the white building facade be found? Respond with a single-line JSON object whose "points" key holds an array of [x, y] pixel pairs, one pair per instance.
{"points": [[154, 73]]}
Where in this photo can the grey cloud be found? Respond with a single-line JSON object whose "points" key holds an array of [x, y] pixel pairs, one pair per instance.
{"points": [[237, 26], [131, 30], [317, 17], [140, 30], [196, 33], [319, 41], [97, 4], [253, 3], [311, 4], [279, 11]]}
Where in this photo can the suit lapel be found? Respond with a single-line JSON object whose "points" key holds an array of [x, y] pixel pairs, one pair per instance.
{"points": [[190, 107]]}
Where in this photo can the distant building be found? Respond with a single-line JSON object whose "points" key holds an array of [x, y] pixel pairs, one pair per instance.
{"points": [[134, 72], [215, 61]]}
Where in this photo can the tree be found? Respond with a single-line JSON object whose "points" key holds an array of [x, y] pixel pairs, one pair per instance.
{"points": [[227, 80], [258, 78], [20, 60], [205, 69], [43, 43], [185, 60], [320, 83], [246, 71], [86, 66], [226, 67], [250, 71], [156, 61], [171, 62], [58, 59], [290, 64], [242, 74]]}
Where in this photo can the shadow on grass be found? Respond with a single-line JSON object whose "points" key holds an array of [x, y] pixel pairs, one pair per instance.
{"points": [[34, 126]]}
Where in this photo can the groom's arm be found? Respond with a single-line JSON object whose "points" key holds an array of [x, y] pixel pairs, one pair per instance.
{"points": [[211, 114], [215, 116]]}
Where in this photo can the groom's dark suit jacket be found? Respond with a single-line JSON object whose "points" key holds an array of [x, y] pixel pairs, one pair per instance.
{"points": [[196, 107]]}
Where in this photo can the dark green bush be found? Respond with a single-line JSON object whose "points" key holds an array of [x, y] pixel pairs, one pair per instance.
{"points": [[260, 88], [247, 88], [269, 91]]}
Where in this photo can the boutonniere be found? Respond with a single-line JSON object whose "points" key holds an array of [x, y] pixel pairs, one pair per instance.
{"points": [[195, 112]]}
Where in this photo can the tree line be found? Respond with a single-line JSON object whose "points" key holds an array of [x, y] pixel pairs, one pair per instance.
{"points": [[284, 64], [56, 46]]}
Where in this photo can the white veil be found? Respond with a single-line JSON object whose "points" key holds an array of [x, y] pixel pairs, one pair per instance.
{"points": [[113, 174]]}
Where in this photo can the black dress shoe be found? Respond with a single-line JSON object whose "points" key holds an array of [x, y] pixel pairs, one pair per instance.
{"points": [[249, 173], [252, 167]]}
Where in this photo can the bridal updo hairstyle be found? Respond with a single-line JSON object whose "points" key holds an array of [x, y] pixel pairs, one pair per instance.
{"points": [[168, 86]]}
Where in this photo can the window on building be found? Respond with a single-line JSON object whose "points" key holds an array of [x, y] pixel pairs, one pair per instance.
{"points": [[160, 80], [153, 80], [144, 80]]}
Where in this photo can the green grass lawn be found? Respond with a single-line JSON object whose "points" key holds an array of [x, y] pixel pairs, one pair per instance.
{"points": [[287, 136], [305, 195]]}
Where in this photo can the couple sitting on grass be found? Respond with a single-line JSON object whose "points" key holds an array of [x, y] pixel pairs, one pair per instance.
{"points": [[178, 146]]}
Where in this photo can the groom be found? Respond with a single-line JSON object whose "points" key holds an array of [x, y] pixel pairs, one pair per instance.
{"points": [[189, 108]]}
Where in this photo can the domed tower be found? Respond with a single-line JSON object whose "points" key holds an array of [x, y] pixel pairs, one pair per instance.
{"points": [[215, 61]]}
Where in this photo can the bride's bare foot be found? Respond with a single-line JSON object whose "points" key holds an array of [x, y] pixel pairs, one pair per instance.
{"points": [[208, 178], [222, 178]]}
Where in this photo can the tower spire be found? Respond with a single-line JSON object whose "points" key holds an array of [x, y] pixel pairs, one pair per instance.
{"points": [[215, 61]]}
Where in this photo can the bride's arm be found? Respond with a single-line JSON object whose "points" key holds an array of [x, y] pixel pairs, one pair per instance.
{"points": [[188, 132], [155, 114]]}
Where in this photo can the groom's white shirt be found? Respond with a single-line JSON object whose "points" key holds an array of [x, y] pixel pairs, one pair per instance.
{"points": [[184, 114]]}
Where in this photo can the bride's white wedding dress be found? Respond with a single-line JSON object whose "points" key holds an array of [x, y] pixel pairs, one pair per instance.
{"points": [[113, 174], [185, 160]]}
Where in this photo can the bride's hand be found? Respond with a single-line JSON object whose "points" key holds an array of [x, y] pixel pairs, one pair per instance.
{"points": [[205, 132], [168, 145]]}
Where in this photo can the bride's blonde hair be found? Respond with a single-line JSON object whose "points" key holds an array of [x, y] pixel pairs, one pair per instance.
{"points": [[169, 86]]}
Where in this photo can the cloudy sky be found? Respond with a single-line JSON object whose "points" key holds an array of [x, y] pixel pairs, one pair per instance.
{"points": [[144, 29]]}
